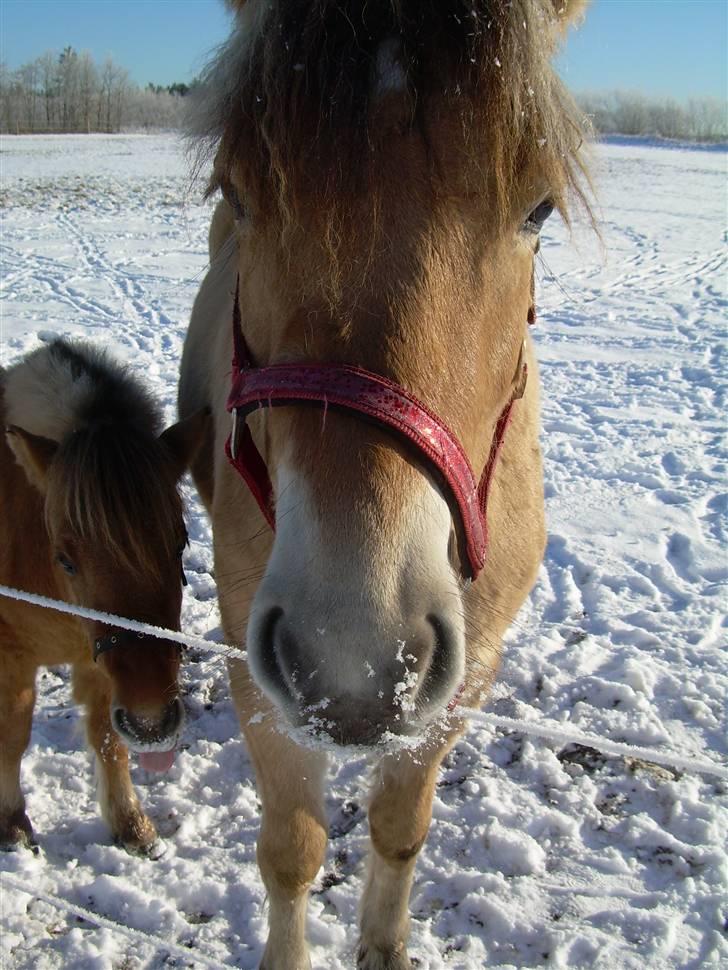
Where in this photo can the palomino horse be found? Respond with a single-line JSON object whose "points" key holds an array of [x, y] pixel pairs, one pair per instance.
{"points": [[386, 168], [91, 515]]}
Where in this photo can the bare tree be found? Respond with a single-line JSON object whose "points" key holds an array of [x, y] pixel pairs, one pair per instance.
{"points": [[88, 90], [47, 65], [29, 80], [68, 88]]}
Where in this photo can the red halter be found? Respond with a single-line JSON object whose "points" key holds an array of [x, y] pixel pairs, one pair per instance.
{"points": [[378, 399]]}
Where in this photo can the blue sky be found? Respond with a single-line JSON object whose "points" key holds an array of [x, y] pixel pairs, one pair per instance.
{"points": [[676, 48]]}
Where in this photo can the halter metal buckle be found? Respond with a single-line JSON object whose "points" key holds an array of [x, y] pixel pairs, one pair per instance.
{"points": [[234, 434], [521, 374]]}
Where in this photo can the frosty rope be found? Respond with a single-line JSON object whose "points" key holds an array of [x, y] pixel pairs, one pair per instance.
{"points": [[616, 748], [136, 936], [550, 731], [126, 624]]}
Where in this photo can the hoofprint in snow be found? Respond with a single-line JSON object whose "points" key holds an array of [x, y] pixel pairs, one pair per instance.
{"points": [[538, 854]]}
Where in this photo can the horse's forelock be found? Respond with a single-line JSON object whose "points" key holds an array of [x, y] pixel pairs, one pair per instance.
{"points": [[118, 492], [289, 101], [115, 478]]}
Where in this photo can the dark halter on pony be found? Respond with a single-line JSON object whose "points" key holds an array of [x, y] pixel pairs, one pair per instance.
{"points": [[118, 637], [379, 400]]}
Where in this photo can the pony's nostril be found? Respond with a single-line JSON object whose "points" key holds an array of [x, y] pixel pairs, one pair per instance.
{"points": [[173, 717], [120, 722]]}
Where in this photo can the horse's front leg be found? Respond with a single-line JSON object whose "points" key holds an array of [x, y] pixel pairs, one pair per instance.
{"points": [[293, 831], [399, 818], [118, 800], [17, 699]]}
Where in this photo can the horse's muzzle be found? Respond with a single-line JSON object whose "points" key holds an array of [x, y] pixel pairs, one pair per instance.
{"points": [[365, 697]]}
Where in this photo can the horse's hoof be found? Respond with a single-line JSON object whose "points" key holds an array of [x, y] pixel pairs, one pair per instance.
{"points": [[153, 850], [383, 958], [17, 833], [138, 836]]}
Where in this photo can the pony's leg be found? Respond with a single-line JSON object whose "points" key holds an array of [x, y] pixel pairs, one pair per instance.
{"points": [[118, 800], [399, 818], [293, 830], [17, 699]]}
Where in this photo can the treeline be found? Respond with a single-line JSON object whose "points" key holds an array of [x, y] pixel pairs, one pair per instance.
{"points": [[69, 92], [631, 113]]}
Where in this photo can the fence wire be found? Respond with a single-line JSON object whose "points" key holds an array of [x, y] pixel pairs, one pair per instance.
{"points": [[544, 729]]}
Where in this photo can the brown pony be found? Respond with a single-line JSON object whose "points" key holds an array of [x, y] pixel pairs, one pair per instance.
{"points": [[386, 168], [91, 515]]}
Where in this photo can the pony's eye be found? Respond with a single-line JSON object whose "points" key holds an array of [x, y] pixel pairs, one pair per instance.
{"points": [[539, 215], [65, 563]]}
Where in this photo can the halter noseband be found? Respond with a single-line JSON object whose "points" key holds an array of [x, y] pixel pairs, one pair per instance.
{"points": [[116, 637], [119, 637], [376, 398]]}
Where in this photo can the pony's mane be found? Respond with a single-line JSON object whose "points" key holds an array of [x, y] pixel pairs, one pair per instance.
{"points": [[112, 469], [290, 100]]}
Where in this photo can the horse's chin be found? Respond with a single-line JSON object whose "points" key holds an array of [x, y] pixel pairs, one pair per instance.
{"points": [[316, 733]]}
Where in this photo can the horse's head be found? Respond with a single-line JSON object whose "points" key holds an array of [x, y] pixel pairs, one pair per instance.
{"points": [[389, 166], [115, 524]]}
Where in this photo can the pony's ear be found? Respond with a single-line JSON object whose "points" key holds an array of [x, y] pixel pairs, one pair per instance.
{"points": [[184, 439], [568, 12], [33, 453]]}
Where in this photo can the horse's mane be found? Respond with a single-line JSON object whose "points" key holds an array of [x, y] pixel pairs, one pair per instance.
{"points": [[289, 102], [113, 470]]}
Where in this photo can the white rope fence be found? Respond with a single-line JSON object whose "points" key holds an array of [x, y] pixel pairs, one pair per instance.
{"points": [[544, 729], [553, 731], [121, 621], [136, 936]]}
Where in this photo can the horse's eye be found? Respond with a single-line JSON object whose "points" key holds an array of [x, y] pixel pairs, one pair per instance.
{"points": [[65, 563], [233, 199], [539, 215]]}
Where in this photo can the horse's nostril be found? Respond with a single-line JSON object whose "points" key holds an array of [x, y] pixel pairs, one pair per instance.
{"points": [[268, 652], [439, 671]]}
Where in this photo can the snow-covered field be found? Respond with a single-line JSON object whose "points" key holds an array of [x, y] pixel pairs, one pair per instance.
{"points": [[538, 854]]}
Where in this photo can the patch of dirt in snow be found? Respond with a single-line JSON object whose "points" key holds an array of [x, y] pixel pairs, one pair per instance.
{"points": [[539, 855]]}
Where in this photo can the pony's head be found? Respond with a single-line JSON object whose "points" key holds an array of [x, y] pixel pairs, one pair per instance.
{"points": [[389, 166], [114, 520]]}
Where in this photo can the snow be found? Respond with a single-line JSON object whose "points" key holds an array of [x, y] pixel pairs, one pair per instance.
{"points": [[540, 853]]}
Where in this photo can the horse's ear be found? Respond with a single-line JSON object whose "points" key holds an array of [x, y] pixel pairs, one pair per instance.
{"points": [[33, 453], [184, 439], [568, 12]]}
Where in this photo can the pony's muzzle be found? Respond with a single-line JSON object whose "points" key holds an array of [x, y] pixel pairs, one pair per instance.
{"points": [[149, 732]]}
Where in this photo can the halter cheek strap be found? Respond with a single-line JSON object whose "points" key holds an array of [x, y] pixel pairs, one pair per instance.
{"points": [[376, 399]]}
